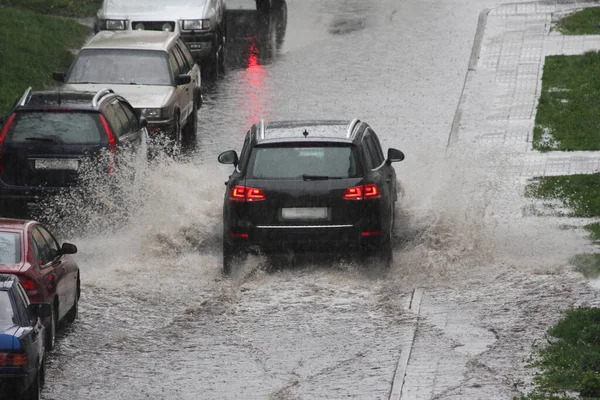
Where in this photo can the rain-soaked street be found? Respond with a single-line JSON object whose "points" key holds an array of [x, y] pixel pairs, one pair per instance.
{"points": [[158, 320]]}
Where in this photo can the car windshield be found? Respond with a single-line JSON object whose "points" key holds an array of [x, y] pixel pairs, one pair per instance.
{"points": [[6, 310], [303, 161], [56, 127], [121, 66], [10, 248]]}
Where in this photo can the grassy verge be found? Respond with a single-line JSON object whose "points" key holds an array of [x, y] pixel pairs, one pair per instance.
{"points": [[584, 22], [580, 193], [63, 8], [568, 113], [33, 45], [568, 365]]}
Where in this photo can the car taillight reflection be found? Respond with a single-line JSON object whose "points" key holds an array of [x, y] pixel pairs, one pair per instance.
{"points": [[245, 193], [362, 192], [3, 136]]}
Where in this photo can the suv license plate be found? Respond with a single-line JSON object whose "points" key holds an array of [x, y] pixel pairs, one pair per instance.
{"points": [[304, 213], [57, 163]]}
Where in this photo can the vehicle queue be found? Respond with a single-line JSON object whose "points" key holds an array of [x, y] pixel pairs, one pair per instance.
{"points": [[136, 86]]}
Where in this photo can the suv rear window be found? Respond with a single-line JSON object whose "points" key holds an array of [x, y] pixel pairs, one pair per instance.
{"points": [[121, 66], [61, 127], [10, 248], [294, 161]]}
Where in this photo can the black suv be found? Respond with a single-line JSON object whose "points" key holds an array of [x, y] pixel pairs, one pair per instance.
{"points": [[309, 184], [48, 135]]}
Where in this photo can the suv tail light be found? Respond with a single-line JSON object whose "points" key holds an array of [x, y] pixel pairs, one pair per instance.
{"points": [[246, 194], [13, 359], [363, 192], [112, 143], [3, 136]]}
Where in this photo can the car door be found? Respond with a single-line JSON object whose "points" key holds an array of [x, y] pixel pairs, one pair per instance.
{"points": [[186, 68], [379, 172], [137, 131], [179, 99], [58, 266], [194, 67], [32, 339]]}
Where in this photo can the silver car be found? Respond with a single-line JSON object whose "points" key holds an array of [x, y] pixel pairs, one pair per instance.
{"points": [[201, 23], [154, 71]]}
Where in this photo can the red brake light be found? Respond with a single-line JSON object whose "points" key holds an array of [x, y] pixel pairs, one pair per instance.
{"points": [[245, 193], [3, 135], [363, 192], [112, 143], [28, 283], [13, 359]]}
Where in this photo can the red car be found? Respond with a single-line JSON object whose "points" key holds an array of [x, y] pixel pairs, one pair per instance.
{"points": [[48, 272]]}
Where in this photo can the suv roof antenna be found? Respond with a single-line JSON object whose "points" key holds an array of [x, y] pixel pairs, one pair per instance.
{"points": [[305, 133]]}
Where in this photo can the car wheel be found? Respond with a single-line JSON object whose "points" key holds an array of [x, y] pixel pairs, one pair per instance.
{"points": [[74, 311], [35, 389], [191, 129], [221, 65], [230, 258], [50, 331]]}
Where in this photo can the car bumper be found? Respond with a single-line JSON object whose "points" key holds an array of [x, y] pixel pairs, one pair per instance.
{"points": [[29, 194], [200, 44], [157, 128]]}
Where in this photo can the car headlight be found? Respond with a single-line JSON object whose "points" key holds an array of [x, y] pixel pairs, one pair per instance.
{"points": [[151, 113], [196, 24], [115, 24]]}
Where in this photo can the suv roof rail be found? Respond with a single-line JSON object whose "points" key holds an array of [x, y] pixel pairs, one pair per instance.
{"points": [[351, 127], [101, 93], [262, 128], [25, 97]]}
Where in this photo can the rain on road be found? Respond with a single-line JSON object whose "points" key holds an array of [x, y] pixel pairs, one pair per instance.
{"points": [[157, 319]]}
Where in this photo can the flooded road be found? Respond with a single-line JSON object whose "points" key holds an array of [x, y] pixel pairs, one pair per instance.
{"points": [[157, 319]]}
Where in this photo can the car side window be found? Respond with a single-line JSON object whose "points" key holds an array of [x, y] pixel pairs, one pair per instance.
{"points": [[21, 304], [245, 150], [371, 152], [174, 64], [43, 249], [131, 116], [186, 53], [52, 243], [125, 124], [113, 120], [184, 67], [377, 147]]}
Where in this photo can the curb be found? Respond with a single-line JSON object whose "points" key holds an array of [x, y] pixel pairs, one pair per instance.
{"points": [[402, 365], [475, 51]]}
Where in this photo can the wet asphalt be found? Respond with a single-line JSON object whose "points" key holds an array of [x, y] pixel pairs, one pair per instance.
{"points": [[157, 319]]}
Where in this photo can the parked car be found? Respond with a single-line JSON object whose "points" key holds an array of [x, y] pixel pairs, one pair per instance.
{"points": [[201, 24], [155, 71], [323, 185], [46, 270], [22, 352], [49, 134]]}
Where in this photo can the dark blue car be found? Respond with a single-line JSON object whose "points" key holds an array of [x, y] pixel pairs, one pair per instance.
{"points": [[22, 357]]}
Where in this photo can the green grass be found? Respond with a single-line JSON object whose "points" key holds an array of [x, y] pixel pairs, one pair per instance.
{"points": [[587, 264], [570, 363], [584, 22], [569, 106], [594, 230], [33, 45], [580, 193], [63, 8]]}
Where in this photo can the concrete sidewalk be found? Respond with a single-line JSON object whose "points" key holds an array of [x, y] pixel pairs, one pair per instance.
{"points": [[496, 113], [503, 85]]}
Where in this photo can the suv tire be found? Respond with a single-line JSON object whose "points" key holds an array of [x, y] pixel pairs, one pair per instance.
{"points": [[230, 258]]}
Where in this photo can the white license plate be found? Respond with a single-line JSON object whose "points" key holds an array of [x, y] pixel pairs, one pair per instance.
{"points": [[304, 213], [57, 163]]}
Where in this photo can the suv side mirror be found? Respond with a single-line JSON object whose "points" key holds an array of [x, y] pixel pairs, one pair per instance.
{"points": [[59, 76], [182, 79], [143, 122], [40, 310], [68, 248], [394, 155], [229, 157]]}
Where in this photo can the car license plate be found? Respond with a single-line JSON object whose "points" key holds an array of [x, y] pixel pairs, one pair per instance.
{"points": [[57, 163], [304, 213]]}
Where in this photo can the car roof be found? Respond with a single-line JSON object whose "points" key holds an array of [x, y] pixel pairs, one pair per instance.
{"points": [[132, 40], [315, 130], [7, 281], [14, 224]]}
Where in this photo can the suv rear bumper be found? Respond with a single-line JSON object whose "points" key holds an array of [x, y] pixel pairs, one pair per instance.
{"points": [[200, 44]]}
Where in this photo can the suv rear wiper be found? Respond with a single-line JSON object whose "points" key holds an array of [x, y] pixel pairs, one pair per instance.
{"points": [[307, 177], [44, 139]]}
